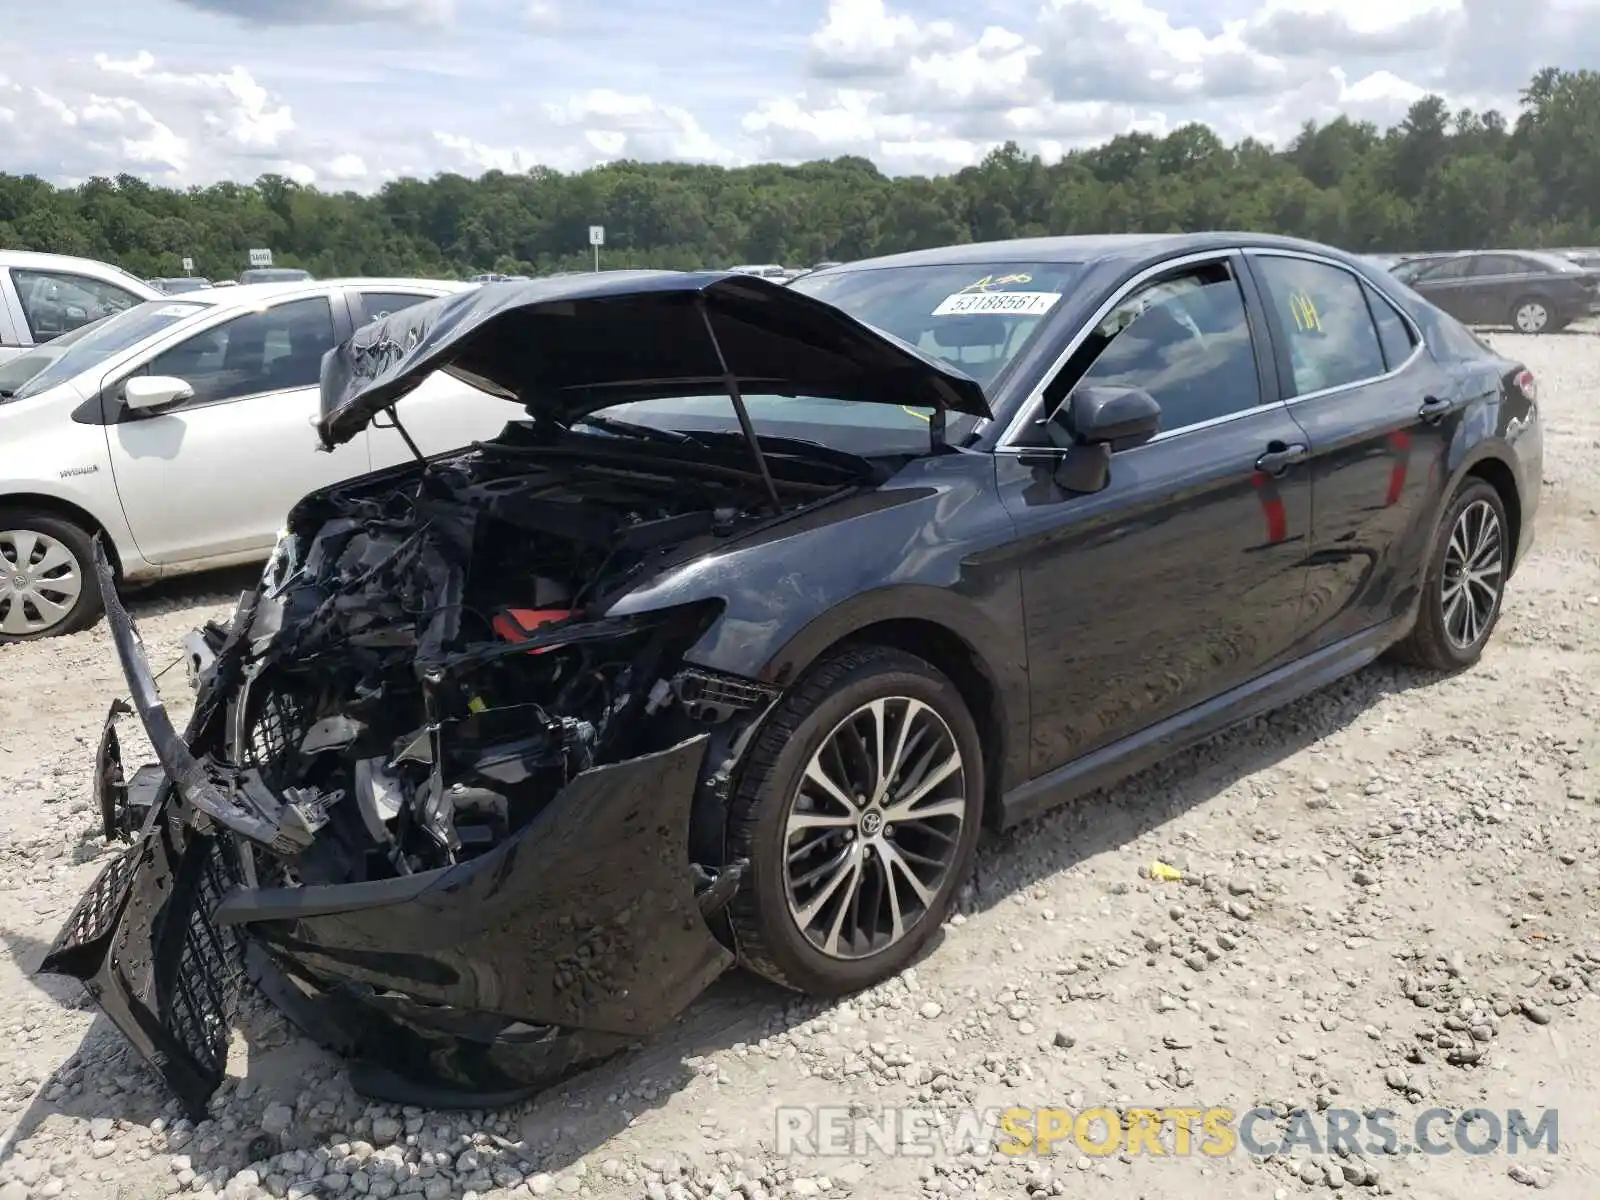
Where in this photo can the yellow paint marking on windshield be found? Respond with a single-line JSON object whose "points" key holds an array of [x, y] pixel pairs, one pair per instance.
{"points": [[915, 413], [989, 282]]}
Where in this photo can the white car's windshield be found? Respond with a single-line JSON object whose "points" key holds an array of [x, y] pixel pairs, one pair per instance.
{"points": [[15, 372], [110, 336]]}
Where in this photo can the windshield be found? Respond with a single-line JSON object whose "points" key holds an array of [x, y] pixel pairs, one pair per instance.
{"points": [[975, 316], [107, 338]]}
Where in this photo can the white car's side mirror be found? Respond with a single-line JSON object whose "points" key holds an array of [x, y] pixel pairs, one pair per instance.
{"points": [[155, 391]]}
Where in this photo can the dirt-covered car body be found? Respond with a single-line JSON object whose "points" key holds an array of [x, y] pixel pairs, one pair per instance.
{"points": [[459, 776]]}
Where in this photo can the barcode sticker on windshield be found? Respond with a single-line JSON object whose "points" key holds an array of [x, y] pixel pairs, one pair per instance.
{"points": [[1011, 304]]}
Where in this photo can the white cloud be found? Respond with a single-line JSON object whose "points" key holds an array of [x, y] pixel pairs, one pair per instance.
{"points": [[475, 85], [112, 115], [864, 39], [329, 12], [623, 125]]}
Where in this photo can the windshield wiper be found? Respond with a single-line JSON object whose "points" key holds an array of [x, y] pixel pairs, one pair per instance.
{"points": [[629, 429], [801, 448]]}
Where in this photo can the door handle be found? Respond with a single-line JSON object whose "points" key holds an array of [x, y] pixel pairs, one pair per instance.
{"points": [[1434, 408], [1279, 457]]}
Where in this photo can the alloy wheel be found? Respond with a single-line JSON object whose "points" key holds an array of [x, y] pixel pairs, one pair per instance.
{"points": [[874, 828], [1532, 317], [1474, 574], [40, 582]]}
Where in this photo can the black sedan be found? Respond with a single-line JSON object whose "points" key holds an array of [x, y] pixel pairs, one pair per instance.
{"points": [[768, 600], [1529, 290]]}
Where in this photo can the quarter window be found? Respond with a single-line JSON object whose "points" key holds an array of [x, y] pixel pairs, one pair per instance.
{"points": [[1185, 340], [269, 351], [1393, 332], [55, 303], [1324, 319]]}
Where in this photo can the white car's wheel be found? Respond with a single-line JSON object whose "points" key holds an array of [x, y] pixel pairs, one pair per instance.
{"points": [[47, 584]]}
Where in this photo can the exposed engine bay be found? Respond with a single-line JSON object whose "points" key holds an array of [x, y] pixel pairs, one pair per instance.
{"points": [[452, 795], [430, 662]]}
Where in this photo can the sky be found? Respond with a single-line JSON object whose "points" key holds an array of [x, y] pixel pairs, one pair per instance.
{"points": [[348, 94]]}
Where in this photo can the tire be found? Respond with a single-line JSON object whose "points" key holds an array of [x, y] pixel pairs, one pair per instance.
{"points": [[61, 555], [1533, 315], [1438, 640], [836, 697]]}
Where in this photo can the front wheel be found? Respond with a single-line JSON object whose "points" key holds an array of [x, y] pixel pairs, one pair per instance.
{"points": [[1465, 582], [47, 584], [859, 811]]}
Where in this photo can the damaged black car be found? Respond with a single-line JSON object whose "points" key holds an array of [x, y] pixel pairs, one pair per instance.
{"points": [[762, 605]]}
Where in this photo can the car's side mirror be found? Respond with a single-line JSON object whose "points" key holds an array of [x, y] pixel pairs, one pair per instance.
{"points": [[155, 391], [1096, 420]]}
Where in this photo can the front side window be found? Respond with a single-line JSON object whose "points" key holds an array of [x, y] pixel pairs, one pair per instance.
{"points": [[1184, 339], [55, 302], [1442, 269], [1323, 316], [268, 351]]}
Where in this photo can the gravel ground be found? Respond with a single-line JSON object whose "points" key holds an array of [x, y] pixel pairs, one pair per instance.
{"points": [[1383, 906]]}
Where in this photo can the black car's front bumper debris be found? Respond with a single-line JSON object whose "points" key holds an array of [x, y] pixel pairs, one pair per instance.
{"points": [[467, 986], [142, 942]]}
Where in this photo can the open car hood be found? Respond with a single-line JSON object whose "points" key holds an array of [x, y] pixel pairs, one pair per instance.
{"points": [[565, 347]]}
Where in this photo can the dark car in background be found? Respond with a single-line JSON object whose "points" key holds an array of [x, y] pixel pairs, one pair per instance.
{"points": [[765, 600], [1532, 291], [1587, 257]]}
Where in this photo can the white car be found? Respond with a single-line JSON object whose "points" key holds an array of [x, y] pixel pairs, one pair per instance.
{"points": [[181, 430], [43, 296]]}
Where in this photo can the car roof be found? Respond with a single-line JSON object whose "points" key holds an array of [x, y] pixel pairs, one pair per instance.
{"points": [[246, 295], [1087, 248], [38, 261]]}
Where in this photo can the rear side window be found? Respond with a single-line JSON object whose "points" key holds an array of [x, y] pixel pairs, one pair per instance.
{"points": [[1393, 333], [1321, 313], [377, 305], [1502, 264]]}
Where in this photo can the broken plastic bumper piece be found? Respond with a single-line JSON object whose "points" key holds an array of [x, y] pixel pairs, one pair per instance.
{"points": [[469, 985]]}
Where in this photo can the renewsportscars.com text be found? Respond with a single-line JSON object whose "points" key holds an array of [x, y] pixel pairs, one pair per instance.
{"points": [[824, 1131]]}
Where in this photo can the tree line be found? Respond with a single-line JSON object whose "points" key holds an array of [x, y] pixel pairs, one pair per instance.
{"points": [[1439, 179]]}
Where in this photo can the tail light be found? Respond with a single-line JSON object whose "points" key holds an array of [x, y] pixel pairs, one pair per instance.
{"points": [[1528, 385]]}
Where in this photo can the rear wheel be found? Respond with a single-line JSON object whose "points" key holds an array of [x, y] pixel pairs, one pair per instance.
{"points": [[1465, 582], [859, 811], [46, 577], [1532, 315]]}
